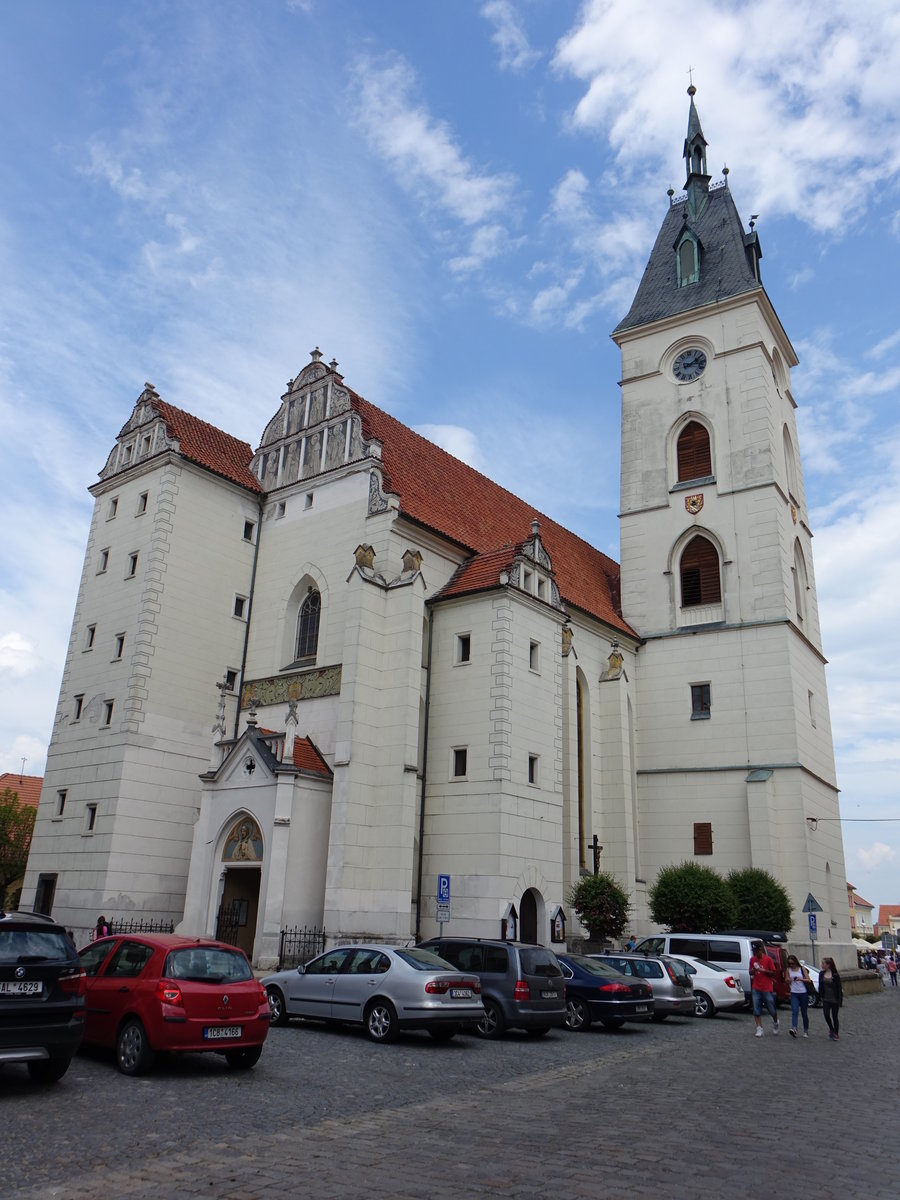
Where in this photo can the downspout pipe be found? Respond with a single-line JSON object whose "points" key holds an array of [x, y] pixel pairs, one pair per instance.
{"points": [[424, 777], [259, 529]]}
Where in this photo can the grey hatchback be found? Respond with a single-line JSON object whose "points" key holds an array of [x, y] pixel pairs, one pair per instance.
{"points": [[522, 986], [669, 979]]}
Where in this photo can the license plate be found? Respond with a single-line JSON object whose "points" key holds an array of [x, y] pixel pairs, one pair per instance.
{"points": [[214, 1032], [640, 1008], [461, 993], [548, 995], [28, 987]]}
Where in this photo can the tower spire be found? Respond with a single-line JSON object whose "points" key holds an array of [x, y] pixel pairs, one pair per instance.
{"points": [[697, 180]]}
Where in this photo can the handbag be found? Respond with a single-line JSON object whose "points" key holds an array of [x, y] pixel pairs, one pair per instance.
{"points": [[810, 987]]}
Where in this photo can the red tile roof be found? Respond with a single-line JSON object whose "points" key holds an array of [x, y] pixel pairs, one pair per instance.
{"points": [[308, 757], [886, 911], [453, 499], [208, 446], [27, 786], [859, 902]]}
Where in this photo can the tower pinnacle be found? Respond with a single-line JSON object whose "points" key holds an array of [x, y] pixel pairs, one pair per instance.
{"points": [[697, 180]]}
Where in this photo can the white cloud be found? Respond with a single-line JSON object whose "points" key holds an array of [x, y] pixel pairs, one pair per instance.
{"points": [[462, 443], [881, 348], [875, 855], [17, 655], [509, 37]]}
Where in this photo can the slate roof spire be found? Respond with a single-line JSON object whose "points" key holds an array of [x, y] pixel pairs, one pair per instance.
{"points": [[696, 183]]}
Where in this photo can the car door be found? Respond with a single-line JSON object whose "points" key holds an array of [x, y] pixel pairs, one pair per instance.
{"points": [[361, 977], [113, 990], [309, 992]]}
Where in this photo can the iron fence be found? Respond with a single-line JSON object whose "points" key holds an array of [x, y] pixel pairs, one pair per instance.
{"points": [[141, 925], [299, 946]]}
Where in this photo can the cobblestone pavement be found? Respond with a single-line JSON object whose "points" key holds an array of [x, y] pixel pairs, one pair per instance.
{"points": [[685, 1108]]}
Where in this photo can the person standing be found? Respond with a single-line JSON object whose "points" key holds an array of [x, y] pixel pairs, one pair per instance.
{"points": [[892, 970], [797, 977], [762, 987], [832, 994], [883, 972], [101, 929]]}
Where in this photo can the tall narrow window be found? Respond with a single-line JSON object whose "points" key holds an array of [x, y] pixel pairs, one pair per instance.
{"points": [[61, 801], [141, 503], [459, 762], [800, 583], [118, 646], [89, 639], [694, 456], [79, 707], [703, 839], [700, 701], [308, 627], [700, 580], [463, 648], [132, 565], [688, 260], [108, 711]]}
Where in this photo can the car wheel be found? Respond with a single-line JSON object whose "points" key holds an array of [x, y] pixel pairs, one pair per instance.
{"points": [[612, 1022], [277, 1006], [703, 1006], [493, 1023], [577, 1015], [659, 1016], [381, 1021], [133, 1052], [243, 1059], [48, 1070], [443, 1033]]}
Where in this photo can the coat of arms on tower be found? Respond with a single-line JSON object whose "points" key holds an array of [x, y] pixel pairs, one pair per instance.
{"points": [[693, 504]]}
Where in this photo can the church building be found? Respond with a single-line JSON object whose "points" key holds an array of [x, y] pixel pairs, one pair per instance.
{"points": [[310, 684]]}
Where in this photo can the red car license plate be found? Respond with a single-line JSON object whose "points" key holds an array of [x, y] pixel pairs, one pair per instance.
{"points": [[461, 993], [215, 1032]]}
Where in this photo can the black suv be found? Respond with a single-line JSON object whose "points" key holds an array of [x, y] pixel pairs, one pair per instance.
{"points": [[522, 986], [42, 989]]}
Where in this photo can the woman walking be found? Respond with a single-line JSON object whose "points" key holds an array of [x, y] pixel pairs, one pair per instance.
{"points": [[832, 996], [796, 975]]}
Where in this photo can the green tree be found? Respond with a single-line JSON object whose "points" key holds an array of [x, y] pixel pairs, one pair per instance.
{"points": [[691, 897], [760, 900], [601, 904], [16, 826]]}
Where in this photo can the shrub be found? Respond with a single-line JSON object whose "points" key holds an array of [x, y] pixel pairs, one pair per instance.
{"points": [[601, 905], [760, 900], [691, 897]]}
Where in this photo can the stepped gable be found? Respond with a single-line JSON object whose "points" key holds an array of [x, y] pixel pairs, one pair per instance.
{"points": [[453, 499], [208, 446]]}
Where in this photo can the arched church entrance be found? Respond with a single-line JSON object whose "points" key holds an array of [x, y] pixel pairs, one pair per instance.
{"points": [[239, 907], [528, 917]]}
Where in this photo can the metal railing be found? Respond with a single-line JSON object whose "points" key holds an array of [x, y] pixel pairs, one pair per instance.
{"points": [[140, 925], [299, 946]]}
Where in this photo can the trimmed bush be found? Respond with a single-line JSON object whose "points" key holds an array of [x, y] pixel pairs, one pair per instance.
{"points": [[691, 897], [760, 901], [601, 905]]}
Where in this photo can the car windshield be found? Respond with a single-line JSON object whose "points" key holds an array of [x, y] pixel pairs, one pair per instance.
{"points": [[424, 960], [593, 967], [679, 968], [536, 961], [207, 964], [34, 945]]}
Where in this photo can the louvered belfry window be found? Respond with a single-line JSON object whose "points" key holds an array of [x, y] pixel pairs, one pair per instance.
{"points": [[694, 457], [700, 580]]}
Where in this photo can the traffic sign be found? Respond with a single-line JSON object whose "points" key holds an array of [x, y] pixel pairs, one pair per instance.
{"points": [[812, 925], [812, 905], [443, 892], [443, 913]]}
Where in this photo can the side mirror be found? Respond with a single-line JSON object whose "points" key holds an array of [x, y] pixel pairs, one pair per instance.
{"points": [[301, 970]]}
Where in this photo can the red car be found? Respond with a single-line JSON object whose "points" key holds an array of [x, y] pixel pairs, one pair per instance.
{"points": [[153, 992]]}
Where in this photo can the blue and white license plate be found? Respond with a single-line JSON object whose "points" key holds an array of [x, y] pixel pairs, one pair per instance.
{"points": [[461, 993], [217, 1032]]}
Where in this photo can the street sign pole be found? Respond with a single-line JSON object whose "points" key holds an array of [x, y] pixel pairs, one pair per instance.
{"points": [[812, 935]]}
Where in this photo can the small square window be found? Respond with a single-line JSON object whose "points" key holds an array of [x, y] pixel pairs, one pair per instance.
{"points": [[280, 509], [532, 768], [700, 702], [108, 706], [103, 561], [113, 506], [460, 762], [240, 607], [308, 500], [132, 565], [79, 708], [464, 648], [89, 637], [142, 503], [249, 530], [118, 646], [534, 656], [231, 677], [90, 817], [61, 801]]}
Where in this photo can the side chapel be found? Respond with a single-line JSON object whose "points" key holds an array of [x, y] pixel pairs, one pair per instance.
{"points": [[420, 676]]}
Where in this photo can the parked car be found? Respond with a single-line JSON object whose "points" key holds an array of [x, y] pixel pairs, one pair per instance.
{"points": [[732, 951], [383, 988], [715, 989], [153, 992], [596, 991], [42, 990], [668, 978], [522, 986]]}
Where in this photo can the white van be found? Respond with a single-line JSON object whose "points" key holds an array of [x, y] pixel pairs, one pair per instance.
{"points": [[732, 951]]}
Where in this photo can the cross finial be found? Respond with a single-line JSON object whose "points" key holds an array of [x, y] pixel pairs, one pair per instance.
{"points": [[691, 90]]}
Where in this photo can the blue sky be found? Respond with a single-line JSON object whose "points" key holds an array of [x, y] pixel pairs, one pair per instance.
{"points": [[456, 201]]}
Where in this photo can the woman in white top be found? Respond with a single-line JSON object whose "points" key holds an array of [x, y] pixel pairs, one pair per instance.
{"points": [[796, 975]]}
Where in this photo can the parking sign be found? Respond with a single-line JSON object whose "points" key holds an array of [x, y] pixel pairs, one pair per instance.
{"points": [[443, 894]]}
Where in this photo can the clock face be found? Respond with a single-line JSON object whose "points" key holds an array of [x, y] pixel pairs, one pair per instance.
{"points": [[689, 364]]}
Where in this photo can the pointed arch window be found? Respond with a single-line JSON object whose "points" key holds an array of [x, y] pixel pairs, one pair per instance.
{"points": [[688, 259], [701, 581], [801, 582], [308, 627], [694, 453]]}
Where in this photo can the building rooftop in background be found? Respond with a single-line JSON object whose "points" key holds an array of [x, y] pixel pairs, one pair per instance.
{"points": [[28, 787]]}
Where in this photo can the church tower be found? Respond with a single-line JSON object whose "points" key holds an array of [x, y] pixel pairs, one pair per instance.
{"points": [[733, 747]]}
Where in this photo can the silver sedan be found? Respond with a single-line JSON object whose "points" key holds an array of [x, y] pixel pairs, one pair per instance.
{"points": [[383, 988]]}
